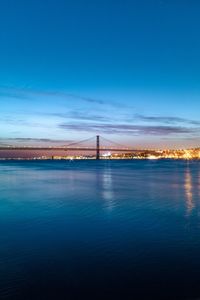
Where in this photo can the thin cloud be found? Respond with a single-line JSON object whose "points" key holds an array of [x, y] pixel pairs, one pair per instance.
{"points": [[87, 99], [128, 129], [166, 119], [28, 93], [7, 141], [22, 122], [78, 115]]}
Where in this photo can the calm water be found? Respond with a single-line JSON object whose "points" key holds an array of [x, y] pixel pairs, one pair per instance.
{"points": [[100, 230]]}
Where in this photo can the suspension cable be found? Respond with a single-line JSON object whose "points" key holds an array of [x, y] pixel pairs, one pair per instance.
{"points": [[117, 144], [79, 142]]}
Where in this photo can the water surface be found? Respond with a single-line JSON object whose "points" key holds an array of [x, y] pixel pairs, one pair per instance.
{"points": [[100, 229]]}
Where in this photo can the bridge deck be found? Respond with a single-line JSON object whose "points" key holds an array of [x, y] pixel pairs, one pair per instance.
{"points": [[67, 149]]}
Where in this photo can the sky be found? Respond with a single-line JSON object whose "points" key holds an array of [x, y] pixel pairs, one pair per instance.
{"points": [[128, 70]]}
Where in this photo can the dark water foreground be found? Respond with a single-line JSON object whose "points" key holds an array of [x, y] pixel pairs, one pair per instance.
{"points": [[100, 230]]}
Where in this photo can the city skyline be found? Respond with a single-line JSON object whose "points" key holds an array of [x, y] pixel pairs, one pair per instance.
{"points": [[124, 69]]}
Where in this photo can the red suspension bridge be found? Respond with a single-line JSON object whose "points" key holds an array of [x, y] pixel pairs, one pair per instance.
{"points": [[76, 146]]}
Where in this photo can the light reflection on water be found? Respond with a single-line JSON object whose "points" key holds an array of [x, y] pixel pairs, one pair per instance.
{"points": [[189, 190], [69, 229], [107, 188]]}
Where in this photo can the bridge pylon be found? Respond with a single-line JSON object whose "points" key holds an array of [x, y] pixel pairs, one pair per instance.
{"points": [[97, 147]]}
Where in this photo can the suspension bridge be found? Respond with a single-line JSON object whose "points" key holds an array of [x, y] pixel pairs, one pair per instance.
{"points": [[77, 146]]}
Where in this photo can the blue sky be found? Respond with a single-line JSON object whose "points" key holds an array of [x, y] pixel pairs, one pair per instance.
{"points": [[128, 70]]}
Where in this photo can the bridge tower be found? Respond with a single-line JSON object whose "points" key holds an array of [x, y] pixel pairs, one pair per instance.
{"points": [[97, 147]]}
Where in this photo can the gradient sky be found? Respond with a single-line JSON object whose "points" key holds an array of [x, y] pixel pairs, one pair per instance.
{"points": [[127, 70]]}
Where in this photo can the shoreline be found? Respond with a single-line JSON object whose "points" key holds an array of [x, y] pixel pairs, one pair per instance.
{"points": [[80, 159]]}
